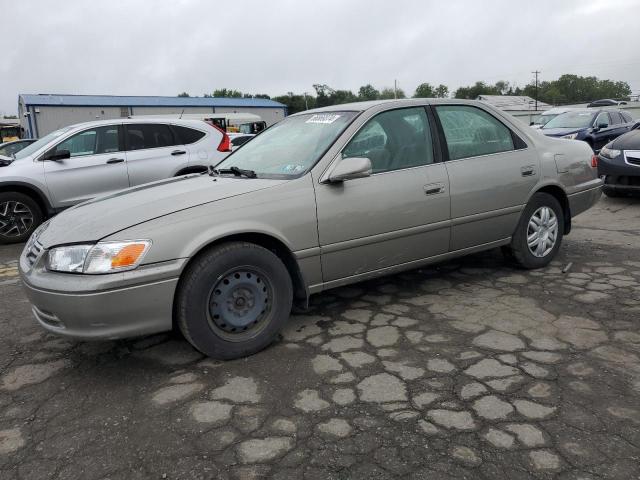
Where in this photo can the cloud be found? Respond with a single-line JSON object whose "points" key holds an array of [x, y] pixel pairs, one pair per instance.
{"points": [[166, 47]]}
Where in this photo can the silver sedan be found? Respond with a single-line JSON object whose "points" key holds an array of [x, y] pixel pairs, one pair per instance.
{"points": [[325, 198]]}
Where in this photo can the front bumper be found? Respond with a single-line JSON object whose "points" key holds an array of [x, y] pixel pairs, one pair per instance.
{"points": [[101, 307], [620, 175]]}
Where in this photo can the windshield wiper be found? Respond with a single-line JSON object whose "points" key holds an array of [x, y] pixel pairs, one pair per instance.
{"points": [[238, 172]]}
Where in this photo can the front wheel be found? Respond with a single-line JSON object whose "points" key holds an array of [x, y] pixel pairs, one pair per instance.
{"points": [[20, 215], [539, 232], [233, 300]]}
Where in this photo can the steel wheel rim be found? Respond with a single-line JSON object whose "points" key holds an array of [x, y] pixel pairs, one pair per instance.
{"points": [[239, 303], [16, 218], [542, 232]]}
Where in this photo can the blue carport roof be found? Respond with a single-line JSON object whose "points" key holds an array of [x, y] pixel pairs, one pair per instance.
{"points": [[141, 101]]}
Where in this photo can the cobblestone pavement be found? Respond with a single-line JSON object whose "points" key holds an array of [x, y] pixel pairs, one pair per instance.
{"points": [[470, 369]]}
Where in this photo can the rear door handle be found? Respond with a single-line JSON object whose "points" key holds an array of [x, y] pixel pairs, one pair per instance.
{"points": [[528, 171], [434, 188], [115, 160], [178, 152]]}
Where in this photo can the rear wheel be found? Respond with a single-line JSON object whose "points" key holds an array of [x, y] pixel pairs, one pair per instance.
{"points": [[233, 300], [610, 192], [539, 232], [20, 215]]}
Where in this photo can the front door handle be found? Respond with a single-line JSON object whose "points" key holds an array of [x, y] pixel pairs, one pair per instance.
{"points": [[528, 171], [434, 188], [178, 152], [115, 160]]}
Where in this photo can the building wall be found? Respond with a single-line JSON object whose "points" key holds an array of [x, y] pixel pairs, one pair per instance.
{"points": [[51, 118]]}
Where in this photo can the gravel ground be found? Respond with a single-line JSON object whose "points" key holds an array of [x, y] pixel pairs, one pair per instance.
{"points": [[470, 369]]}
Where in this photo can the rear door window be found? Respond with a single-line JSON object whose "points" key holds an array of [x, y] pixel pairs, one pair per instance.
{"points": [[627, 118], [471, 132], [149, 135], [615, 118], [185, 135]]}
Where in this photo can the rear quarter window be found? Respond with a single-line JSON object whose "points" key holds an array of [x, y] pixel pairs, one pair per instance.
{"points": [[186, 135]]}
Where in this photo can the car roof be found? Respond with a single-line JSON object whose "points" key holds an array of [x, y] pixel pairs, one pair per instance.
{"points": [[114, 121], [405, 102]]}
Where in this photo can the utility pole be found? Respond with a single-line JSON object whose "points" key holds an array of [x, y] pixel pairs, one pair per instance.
{"points": [[306, 106], [395, 89], [536, 90]]}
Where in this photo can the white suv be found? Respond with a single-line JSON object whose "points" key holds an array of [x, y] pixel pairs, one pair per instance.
{"points": [[80, 162]]}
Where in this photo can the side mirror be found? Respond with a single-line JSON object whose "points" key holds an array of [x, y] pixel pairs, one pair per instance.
{"points": [[350, 168], [57, 155]]}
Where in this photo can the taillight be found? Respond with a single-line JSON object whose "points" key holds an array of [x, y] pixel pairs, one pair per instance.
{"points": [[225, 143], [594, 161]]}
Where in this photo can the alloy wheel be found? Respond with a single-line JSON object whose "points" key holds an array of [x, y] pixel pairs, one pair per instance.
{"points": [[16, 218]]}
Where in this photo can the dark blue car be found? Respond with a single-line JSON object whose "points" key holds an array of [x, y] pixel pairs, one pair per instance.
{"points": [[595, 126]]}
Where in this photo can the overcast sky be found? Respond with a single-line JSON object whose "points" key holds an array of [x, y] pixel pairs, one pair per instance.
{"points": [[156, 47]]}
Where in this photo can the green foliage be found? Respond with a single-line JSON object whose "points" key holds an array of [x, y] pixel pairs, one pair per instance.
{"points": [[226, 92], [577, 89], [426, 90], [368, 92], [566, 89], [183, 94], [479, 88], [388, 93]]}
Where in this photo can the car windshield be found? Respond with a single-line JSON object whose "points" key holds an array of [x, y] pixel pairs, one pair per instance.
{"points": [[571, 120], [544, 119], [38, 144], [289, 148]]}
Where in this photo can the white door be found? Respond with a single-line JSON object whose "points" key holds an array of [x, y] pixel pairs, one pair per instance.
{"points": [[153, 152], [96, 166]]}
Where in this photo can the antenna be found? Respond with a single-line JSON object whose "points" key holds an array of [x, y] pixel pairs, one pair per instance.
{"points": [[181, 113]]}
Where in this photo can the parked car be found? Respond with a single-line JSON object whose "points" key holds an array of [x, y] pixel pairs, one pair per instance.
{"points": [[9, 148], [619, 164], [239, 139], [548, 115], [594, 126], [606, 102], [77, 163], [324, 198]]}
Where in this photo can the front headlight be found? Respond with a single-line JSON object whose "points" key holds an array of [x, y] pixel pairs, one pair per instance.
{"points": [[610, 152], [103, 257], [571, 136]]}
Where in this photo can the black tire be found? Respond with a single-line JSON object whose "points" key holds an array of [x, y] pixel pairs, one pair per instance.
{"points": [[611, 193], [20, 215], [519, 248], [262, 280]]}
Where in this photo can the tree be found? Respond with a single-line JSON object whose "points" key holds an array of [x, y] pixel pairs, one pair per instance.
{"points": [[442, 91], [426, 90], [473, 91], [576, 89], [183, 94], [228, 93], [389, 93], [368, 92]]}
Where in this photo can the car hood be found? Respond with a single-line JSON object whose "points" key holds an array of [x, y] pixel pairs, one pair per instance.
{"points": [[560, 132], [104, 216], [628, 141]]}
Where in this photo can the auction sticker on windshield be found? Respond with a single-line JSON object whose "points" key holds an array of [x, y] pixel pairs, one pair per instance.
{"points": [[323, 118]]}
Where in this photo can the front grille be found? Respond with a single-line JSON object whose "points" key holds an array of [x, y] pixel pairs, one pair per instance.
{"points": [[33, 253], [632, 157]]}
